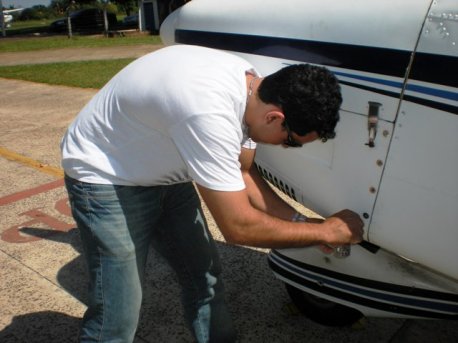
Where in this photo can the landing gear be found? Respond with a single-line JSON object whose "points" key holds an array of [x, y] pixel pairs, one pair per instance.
{"points": [[323, 311]]}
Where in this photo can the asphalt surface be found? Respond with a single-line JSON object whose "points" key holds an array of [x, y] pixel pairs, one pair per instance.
{"points": [[42, 274]]}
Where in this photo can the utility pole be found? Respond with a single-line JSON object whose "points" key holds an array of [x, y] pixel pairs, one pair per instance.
{"points": [[2, 19], [105, 18], [69, 19]]}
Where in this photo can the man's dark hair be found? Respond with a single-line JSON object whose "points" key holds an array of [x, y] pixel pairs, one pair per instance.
{"points": [[309, 97]]}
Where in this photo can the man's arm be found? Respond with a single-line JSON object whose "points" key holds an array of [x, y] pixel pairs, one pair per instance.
{"points": [[241, 223], [264, 198], [260, 194]]}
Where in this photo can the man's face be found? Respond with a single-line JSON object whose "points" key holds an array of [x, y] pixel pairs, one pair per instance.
{"points": [[281, 135]]}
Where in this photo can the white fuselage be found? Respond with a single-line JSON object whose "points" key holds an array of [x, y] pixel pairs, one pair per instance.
{"points": [[400, 55]]}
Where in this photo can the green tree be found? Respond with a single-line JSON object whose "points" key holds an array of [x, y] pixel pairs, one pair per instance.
{"points": [[60, 7], [126, 6], [35, 13]]}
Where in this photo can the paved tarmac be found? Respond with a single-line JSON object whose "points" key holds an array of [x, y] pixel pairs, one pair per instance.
{"points": [[42, 274]]}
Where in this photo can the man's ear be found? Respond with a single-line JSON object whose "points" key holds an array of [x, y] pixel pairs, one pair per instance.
{"points": [[274, 115]]}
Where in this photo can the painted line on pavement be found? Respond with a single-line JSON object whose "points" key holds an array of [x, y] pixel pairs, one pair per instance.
{"points": [[8, 199], [15, 157], [30, 162]]}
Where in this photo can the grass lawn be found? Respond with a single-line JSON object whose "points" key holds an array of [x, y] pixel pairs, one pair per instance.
{"points": [[84, 74]]}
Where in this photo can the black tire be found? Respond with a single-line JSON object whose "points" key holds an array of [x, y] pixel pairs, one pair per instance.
{"points": [[323, 311]]}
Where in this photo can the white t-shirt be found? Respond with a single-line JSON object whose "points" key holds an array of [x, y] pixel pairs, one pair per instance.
{"points": [[172, 116]]}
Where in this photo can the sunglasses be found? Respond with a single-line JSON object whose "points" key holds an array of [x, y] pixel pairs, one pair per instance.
{"points": [[290, 140]]}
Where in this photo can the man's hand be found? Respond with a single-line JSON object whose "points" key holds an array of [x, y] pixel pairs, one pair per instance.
{"points": [[344, 227]]}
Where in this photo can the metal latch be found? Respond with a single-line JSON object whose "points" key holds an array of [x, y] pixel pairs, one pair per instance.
{"points": [[372, 121]]}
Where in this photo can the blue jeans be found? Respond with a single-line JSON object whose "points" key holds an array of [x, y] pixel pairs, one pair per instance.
{"points": [[117, 226]]}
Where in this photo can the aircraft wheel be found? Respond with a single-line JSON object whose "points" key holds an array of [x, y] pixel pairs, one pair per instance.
{"points": [[323, 311]]}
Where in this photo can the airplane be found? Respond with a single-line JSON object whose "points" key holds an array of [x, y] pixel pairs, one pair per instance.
{"points": [[7, 17], [394, 159]]}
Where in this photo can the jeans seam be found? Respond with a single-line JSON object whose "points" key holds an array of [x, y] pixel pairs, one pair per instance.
{"points": [[102, 326], [99, 285]]}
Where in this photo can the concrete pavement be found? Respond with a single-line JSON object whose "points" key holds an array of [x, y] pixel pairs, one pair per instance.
{"points": [[75, 54], [42, 278]]}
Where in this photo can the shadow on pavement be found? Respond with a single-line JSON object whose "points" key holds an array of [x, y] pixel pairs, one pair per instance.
{"points": [[162, 314], [46, 326]]}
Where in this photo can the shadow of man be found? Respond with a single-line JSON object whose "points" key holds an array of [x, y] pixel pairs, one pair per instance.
{"points": [[40, 327], [246, 275]]}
